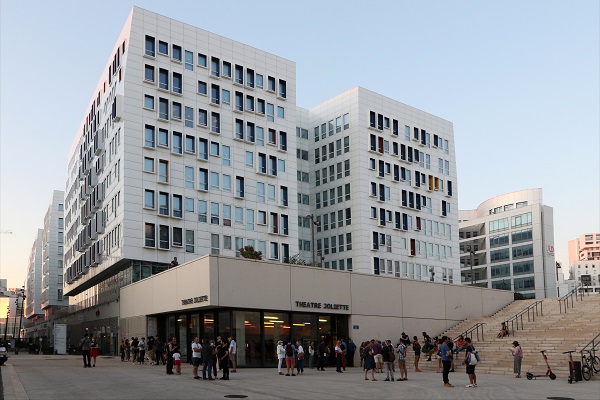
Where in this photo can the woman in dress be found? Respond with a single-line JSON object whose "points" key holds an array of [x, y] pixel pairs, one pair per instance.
{"points": [[93, 351], [122, 350], [361, 351], [417, 349], [127, 350], [369, 361]]}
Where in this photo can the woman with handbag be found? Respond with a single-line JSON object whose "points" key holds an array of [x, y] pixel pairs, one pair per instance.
{"points": [[300, 356]]}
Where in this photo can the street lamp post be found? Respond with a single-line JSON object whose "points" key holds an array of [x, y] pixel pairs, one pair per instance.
{"points": [[22, 309], [312, 236]]}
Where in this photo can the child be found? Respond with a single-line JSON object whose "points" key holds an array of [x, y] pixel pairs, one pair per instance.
{"points": [[177, 361]]}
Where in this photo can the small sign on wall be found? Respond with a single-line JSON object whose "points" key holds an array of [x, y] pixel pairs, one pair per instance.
{"points": [[354, 326]]}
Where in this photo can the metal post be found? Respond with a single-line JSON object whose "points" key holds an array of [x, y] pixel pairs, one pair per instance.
{"points": [[472, 261], [22, 309]]}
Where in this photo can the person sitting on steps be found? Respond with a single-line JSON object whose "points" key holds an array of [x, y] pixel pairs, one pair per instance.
{"points": [[503, 330]]}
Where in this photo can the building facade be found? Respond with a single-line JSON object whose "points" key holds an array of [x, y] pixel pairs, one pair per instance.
{"points": [[587, 274], [193, 144], [508, 243], [33, 286], [584, 248]]}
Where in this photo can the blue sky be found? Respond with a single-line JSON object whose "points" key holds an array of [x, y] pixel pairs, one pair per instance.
{"points": [[519, 80]]}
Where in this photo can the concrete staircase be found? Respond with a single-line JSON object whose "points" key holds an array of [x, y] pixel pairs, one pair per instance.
{"points": [[554, 332]]}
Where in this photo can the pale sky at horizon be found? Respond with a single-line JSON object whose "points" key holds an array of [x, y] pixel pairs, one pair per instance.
{"points": [[518, 79]]}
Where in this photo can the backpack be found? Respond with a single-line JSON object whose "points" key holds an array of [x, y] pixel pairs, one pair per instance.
{"points": [[289, 350], [473, 360]]}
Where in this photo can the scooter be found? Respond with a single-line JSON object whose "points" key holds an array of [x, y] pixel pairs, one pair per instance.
{"points": [[572, 374], [549, 373]]}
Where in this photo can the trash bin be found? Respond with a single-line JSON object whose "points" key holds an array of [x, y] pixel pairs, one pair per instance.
{"points": [[577, 373]]}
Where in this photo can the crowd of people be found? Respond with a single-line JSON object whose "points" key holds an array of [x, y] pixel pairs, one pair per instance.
{"points": [[376, 356]]}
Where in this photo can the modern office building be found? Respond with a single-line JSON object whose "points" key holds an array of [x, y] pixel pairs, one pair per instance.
{"points": [[508, 243], [193, 144], [33, 286], [584, 248], [44, 289]]}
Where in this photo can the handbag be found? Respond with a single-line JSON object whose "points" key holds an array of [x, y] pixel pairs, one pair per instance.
{"points": [[300, 356], [473, 358]]}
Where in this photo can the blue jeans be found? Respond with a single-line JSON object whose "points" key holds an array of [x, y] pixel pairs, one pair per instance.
{"points": [[207, 365], [299, 366]]}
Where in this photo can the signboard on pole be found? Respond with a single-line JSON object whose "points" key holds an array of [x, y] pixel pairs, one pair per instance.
{"points": [[60, 339]]}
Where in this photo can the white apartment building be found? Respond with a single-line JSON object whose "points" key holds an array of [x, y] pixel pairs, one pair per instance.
{"points": [[33, 286], [508, 243], [193, 145], [586, 273], [44, 289]]}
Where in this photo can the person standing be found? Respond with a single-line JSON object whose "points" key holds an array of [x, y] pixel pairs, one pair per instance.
{"points": [[446, 356], [280, 356], [93, 351], [338, 356], [85, 349], [232, 353], [311, 355], [122, 350], [223, 356], [159, 351], [470, 368], [150, 350], [369, 361], [517, 353], [207, 353], [387, 353], [135, 350], [300, 354], [350, 349], [174, 263], [322, 350], [177, 361], [290, 358], [402, 360], [417, 349], [362, 353], [127, 350], [170, 350], [377, 347], [196, 356], [142, 350]]}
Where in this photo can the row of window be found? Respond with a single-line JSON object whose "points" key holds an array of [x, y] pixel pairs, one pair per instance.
{"points": [[517, 236], [321, 154], [328, 220], [526, 283], [335, 172], [250, 78], [341, 193], [381, 122], [409, 270], [342, 121], [507, 207], [334, 244], [518, 268], [517, 252], [516, 221]]}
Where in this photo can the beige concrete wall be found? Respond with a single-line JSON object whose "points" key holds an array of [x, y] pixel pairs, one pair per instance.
{"points": [[382, 307]]}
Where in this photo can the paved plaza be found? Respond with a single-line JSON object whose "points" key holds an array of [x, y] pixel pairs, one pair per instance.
{"points": [[27, 376]]}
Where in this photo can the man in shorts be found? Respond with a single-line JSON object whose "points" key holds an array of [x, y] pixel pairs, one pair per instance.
{"points": [[402, 360], [196, 356], [290, 358], [377, 347], [232, 353]]}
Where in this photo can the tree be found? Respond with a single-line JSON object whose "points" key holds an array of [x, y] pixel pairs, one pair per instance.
{"points": [[249, 252]]}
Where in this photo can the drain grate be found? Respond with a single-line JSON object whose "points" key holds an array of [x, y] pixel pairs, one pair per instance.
{"points": [[560, 398], [235, 396]]}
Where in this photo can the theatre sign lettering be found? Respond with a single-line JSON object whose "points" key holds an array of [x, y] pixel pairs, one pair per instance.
{"points": [[323, 306], [192, 300]]}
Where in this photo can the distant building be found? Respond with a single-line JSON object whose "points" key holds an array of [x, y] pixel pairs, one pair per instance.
{"points": [[584, 248], [33, 286], [509, 243], [586, 273]]}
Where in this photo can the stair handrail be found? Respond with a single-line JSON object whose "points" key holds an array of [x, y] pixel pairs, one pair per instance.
{"points": [[475, 328], [595, 342], [564, 301], [531, 311]]}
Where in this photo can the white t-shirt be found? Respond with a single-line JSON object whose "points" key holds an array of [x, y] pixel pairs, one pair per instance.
{"points": [[280, 351], [300, 349], [142, 345], [197, 346], [176, 356], [232, 347]]}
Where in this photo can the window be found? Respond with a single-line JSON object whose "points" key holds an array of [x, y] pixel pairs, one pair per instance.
{"points": [[226, 183], [215, 93], [163, 171], [250, 219], [270, 112], [189, 241], [163, 237], [202, 149], [250, 159], [149, 164], [239, 215], [239, 74], [148, 102], [163, 79], [190, 144], [214, 149], [249, 103], [226, 69], [214, 213], [259, 81], [176, 53], [189, 204], [189, 60], [282, 89], [203, 179], [214, 180], [215, 64], [202, 60], [284, 196], [177, 206], [163, 204], [176, 111], [250, 136], [202, 117], [226, 96], [522, 251], [149, 199], [163, 48], [202, 88], [239, 186], [280, 112], [177, 143], [189, 117], [149, 235], [226, 155], [239, 101], [149, 136], [250, 78], [202, 211], [163, 108], [150, 43], [149, 73], [215, 125], [177, 83], [282, 141]]}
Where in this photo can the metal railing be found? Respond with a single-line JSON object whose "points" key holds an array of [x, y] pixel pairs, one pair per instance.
{"points": [[477, 328], [563, 302], [591, 346], [533, 310], [591, 358]]}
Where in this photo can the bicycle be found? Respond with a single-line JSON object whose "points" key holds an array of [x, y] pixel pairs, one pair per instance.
{"points": [[586, 369], [592, 361]]}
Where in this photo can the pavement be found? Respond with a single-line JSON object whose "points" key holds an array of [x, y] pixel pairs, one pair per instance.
{"points": [[63, 377]]}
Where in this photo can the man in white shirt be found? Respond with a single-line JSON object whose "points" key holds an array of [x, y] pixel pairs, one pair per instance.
{"points": [[196, 356], [232, 352]]}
